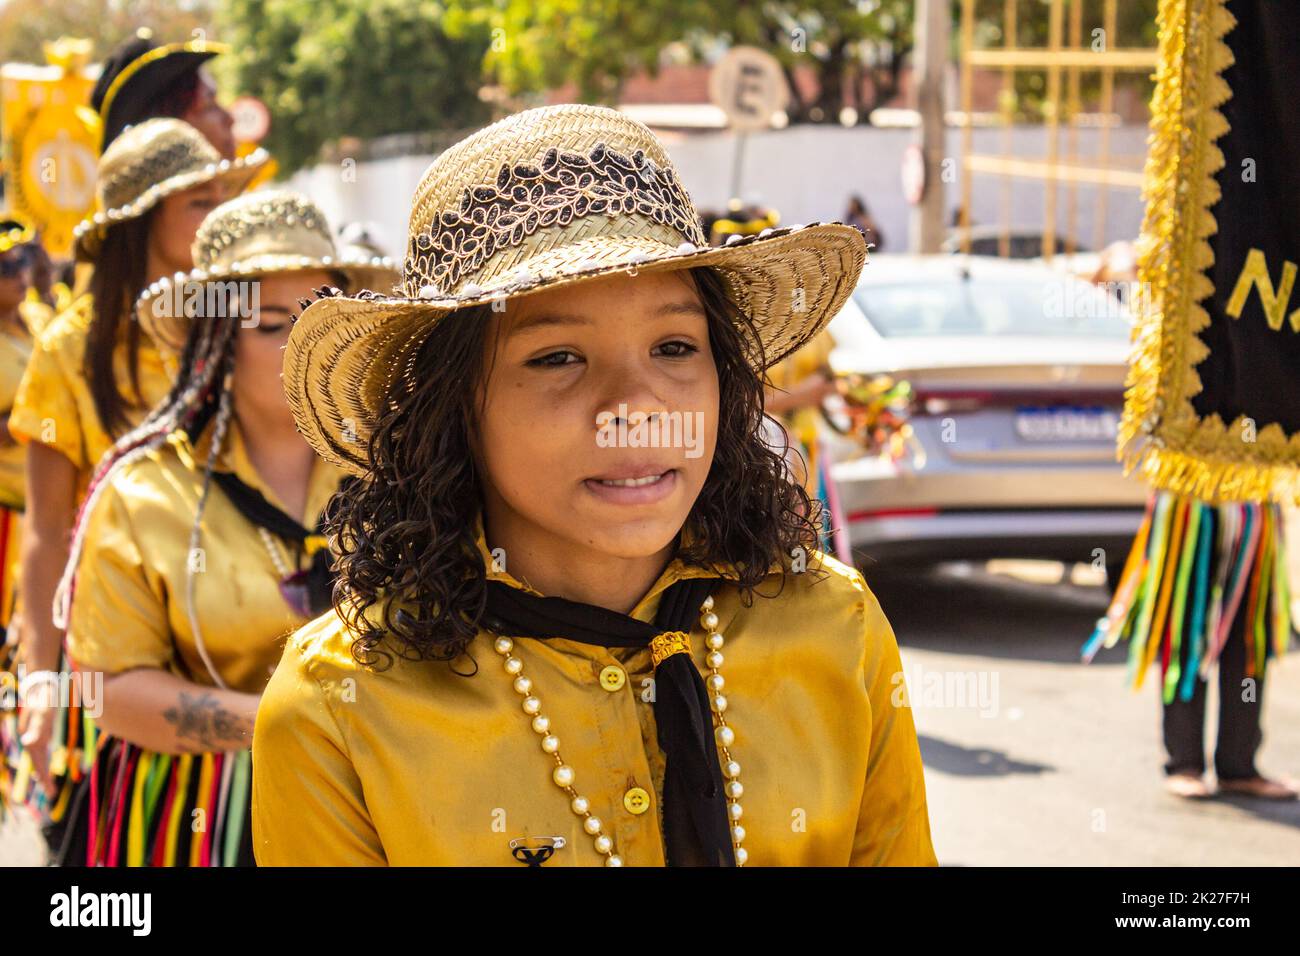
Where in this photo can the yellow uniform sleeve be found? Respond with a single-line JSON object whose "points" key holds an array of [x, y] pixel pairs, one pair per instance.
{"points": [[308, 805], [45, 408], [894, 821], [118, 619]]}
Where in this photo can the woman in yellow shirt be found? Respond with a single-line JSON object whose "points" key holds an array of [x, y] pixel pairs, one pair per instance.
{"points": [[197, 552], [580, 617], [16, 237], [93, 376], [796, 387]]}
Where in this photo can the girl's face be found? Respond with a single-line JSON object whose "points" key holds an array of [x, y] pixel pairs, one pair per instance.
{"points": [[210, 118], [259, 346], [176, 220], [564, 369]]}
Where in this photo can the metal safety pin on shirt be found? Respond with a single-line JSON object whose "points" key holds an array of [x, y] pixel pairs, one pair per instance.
{"points": [[536, 850]]}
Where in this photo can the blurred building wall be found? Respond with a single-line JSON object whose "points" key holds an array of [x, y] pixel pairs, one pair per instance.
{"points": [[806, 172]]}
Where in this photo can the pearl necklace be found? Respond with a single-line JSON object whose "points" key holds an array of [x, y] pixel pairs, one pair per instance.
{"points": [[281, 566], [563, 775]]}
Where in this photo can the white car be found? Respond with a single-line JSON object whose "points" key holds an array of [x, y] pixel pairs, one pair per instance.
{"points": [[1017, 373]]}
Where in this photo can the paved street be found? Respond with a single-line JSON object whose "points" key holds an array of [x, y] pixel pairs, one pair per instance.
{"points": [[1066, 769]]}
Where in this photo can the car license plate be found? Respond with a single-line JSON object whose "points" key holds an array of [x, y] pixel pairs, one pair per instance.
{"points": [[1066, 424]]}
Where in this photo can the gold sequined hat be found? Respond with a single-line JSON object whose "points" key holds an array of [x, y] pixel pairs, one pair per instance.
{"points": [[256, 234], [543, 199], [149, 162]]}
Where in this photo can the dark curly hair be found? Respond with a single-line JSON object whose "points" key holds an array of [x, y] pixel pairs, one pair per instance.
{"points": [[410, 575]]}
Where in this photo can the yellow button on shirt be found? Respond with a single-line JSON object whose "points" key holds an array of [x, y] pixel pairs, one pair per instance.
{"points": [[54, 405], [415, 765], [129, 608]]}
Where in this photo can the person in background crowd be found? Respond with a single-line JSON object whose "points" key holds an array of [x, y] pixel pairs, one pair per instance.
{"points": [[362, 240], [92, 377], [741, 219], [20, 317], [47, 289], [857, 215], [141, 80], [218, 469]]}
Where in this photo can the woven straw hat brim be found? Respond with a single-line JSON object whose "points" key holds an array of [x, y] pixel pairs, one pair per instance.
{"points": [[237, 173], [170, 331], [345, 353]]}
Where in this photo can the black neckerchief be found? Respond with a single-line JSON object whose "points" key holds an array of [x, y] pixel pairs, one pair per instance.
{"points": [[252, 504], [696, 827]]}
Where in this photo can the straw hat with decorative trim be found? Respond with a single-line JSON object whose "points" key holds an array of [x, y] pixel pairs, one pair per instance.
{"points": [[15, 230], [256, 234], [540, 200], [148, 163]]}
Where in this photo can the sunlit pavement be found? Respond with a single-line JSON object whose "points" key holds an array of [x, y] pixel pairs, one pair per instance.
{"points": [[1059, 763], [20, 841]]}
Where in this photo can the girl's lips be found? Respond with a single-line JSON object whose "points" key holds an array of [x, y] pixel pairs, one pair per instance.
{"points": [[640, 493]]}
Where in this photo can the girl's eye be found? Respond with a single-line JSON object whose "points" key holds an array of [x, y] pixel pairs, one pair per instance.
{"points": [[678, 349], [265, 329], [553, 359]]}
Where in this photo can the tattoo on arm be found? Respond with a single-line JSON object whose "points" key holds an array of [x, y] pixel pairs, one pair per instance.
{"points": [[199, 717]]}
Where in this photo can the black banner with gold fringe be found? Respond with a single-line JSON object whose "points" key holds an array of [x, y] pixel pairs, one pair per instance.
{"points": [[1213, 405], [1212, 409]]}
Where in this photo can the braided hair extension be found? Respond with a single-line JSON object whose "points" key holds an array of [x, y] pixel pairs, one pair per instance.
{"points": [[225, 407]]}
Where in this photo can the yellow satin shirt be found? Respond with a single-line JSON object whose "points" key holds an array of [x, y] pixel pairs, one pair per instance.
{"points": [[415, 765], [129, 608], [54, 405]]}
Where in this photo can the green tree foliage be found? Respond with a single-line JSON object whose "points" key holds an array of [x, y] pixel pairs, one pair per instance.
{"points": [[26, 24], [335, 69], [595, 45]]}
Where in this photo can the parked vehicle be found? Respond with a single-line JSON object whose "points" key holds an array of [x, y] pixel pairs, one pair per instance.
{"points": [[1013, 376]]}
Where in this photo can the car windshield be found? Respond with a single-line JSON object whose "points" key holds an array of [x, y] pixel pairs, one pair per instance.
{"points": [[1051, 307]]}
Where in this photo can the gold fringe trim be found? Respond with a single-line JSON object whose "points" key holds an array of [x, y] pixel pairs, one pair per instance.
{"points": [[1160, 434]]}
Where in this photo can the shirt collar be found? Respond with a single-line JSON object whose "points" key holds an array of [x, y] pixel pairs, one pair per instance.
{"points": [[233, 458], [677, 570], [645, 610]]}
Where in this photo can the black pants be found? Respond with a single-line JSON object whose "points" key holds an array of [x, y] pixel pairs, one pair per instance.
{"points": [[1239, 733]]}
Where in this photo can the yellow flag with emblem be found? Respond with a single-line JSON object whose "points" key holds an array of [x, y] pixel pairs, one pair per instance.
{"points": [[50, 135]]}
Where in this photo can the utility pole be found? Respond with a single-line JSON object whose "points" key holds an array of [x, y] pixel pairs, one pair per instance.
{"points": [[927, 225]]}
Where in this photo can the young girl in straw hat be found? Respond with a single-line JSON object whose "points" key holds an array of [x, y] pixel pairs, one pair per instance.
{"points": [[197, 550], [580, 617], [93, 375]]}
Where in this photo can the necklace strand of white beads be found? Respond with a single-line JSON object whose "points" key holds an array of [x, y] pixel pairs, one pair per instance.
{"points": [[564, 776]]}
